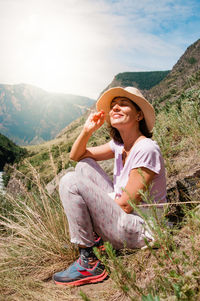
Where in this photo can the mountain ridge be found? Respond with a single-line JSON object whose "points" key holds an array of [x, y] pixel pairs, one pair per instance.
{"points": [[29, 114], [143, 80], [184, 76]]}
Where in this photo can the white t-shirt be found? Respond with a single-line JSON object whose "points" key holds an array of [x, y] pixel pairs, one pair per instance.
{"points": [[145, 153]]}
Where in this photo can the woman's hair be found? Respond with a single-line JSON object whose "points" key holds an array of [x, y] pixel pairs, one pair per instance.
{"points": [[114, 133]]}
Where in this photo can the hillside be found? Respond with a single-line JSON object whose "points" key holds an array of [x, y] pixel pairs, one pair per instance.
{"points": [[184, 76], [30, 115], [159, 86], [141, 80], [9, 152]]}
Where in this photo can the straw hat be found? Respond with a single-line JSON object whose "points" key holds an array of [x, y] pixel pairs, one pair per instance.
{"points": [[103, 103]]}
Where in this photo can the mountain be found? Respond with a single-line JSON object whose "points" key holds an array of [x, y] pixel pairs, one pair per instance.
{"points": [[184, 76], [9, 151], [30, 115], [159, 86], [142, 80]]}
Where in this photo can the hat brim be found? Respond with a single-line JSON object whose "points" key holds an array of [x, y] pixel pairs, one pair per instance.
{"points": [[105, 99]]}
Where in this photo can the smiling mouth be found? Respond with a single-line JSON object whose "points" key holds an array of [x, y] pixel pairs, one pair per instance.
{"points": [[115, 116]]}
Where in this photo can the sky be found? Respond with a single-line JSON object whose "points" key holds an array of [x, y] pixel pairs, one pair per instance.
{"points": [[78, 46]]}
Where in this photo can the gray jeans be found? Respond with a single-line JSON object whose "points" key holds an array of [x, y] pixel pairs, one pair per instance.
{"points": [[89, 209]]}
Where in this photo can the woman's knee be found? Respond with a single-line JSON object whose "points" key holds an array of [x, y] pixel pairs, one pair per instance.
{"points": [[67, 178]]}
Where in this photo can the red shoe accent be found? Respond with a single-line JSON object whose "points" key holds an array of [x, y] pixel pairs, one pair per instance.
{"points": [[85, 273], [93, 279]]}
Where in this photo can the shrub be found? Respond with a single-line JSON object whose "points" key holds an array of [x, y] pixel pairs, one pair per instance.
{"points": [[192, 60]]}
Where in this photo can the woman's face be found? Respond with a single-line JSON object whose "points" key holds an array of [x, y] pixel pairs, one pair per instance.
{"points": [[123, 112]]}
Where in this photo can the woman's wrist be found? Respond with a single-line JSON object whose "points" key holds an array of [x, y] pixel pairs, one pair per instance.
{"points": [[86, 132]]}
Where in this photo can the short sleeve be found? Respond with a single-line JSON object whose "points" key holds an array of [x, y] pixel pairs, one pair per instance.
{"points": [[147, 156], [112, 145]]}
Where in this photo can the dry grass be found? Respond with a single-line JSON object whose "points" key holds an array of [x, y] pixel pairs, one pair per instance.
{"points": [[34, 236]]}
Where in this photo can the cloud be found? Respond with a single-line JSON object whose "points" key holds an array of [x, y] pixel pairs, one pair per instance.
{"points": [[77, 46]]}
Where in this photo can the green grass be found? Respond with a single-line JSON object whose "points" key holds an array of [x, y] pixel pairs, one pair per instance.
{"points": [[177, 129]]}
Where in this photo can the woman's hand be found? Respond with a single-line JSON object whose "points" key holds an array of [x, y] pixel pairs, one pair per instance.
{"points": [[139, 179], [94, 121], [79, 149]]}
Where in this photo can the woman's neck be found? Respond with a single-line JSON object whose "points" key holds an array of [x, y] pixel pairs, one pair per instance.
{"points": [[130, 140]]}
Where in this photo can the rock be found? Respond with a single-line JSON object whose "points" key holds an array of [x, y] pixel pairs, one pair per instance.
{"points": [[15, 186], [52, 186], [185, 191]]}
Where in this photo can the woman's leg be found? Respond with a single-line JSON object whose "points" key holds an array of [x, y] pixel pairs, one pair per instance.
{"points": [[87, 269], [79, 219], [89, 209]]}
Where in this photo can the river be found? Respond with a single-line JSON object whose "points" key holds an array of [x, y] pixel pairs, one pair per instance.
{"points": [[1, 181]]}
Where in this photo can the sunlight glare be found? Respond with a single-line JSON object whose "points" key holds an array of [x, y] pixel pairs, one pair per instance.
{"points": [[55, 51]]}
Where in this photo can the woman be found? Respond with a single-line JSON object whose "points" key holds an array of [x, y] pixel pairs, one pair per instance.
{"points": [[92, 203]]}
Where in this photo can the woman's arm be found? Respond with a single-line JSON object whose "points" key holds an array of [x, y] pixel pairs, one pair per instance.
{"points": [[137, 181], [79, 149]]}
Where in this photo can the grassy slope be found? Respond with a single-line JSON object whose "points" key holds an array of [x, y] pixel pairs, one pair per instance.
{"points": [[58, 149], [185, 75]]}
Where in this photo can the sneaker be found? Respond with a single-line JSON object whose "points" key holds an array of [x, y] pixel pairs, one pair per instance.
{"points": [[85, 270]]}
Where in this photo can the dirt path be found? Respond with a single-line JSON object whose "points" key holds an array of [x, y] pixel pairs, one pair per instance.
{"points": [[103, 291], [95, 292]]}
